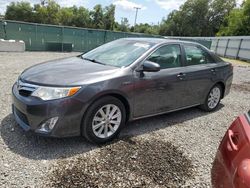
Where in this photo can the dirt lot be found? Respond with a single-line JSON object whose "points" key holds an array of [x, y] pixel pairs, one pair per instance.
{"points": [[173, 150]]}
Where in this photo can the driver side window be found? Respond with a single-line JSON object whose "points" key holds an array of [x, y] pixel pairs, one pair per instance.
{"points": [[168, 56]]}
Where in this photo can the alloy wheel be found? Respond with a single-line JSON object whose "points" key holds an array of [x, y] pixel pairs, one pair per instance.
{"points": [[214, 97], [106, 121]]}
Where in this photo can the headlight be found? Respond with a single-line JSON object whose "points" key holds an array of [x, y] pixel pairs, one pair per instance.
{"points": [[50, 93]]}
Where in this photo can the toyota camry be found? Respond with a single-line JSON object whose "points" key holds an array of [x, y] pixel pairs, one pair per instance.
{"points": [[95, 94]]}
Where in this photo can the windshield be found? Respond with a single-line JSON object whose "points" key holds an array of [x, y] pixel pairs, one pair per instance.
{"points": [[119, 53]]}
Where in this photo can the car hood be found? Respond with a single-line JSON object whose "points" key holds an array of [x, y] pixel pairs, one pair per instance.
{"points": [[65, 72]]}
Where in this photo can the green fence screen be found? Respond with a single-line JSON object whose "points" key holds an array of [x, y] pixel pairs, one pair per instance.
{"points": [[41, 37]]}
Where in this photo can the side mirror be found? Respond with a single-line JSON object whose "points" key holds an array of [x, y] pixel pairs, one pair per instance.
{"points": [[149, 66]]}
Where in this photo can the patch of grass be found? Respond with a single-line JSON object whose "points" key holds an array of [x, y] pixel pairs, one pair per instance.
{"points": [[243, 87], [237, 62]]}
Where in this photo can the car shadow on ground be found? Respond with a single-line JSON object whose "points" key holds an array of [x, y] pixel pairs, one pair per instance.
{"points": [[36, 147]]}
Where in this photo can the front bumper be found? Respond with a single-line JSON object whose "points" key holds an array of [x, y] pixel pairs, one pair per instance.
{"points": [[30, 112]]}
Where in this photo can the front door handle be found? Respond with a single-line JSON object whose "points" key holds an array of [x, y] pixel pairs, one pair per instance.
{"points": [[181, 76]]}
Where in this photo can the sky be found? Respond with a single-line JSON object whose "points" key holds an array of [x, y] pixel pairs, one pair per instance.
{"points": [[151, 11]]}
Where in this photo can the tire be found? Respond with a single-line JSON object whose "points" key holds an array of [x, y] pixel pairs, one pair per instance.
{"points": [[211, 103], [99, 128]]}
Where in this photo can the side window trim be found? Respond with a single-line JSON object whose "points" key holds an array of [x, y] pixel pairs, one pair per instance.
{"points": [[182, 64]]}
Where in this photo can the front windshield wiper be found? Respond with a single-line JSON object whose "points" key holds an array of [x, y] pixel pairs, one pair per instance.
{"points": [[93, 60]]}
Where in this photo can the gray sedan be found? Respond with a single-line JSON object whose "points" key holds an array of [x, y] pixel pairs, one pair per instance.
{"points": [[96, 93]]}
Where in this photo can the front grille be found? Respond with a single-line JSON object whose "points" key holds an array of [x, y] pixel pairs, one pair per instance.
{"points": [[25, 89], [22, 116]]}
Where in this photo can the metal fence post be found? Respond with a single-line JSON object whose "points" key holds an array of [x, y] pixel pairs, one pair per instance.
{"points": [[36, 43], [238, 50], [217, 44], [62, 37], [4, 30], [225, 53], [105, 36]]}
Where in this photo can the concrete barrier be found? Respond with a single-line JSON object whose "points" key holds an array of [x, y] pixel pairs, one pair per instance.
{"points": [[12, 46]]}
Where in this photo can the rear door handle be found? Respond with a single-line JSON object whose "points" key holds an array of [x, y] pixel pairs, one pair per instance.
{"points": [[213, 71], [181, 76]]}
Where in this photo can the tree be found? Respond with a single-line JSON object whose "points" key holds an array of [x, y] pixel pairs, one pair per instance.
{"points": [[237, 22], [190, 20], [66, 16], [124, 26], [48, 13], [97, 17], [20, 11], [219, 10], [197, 18], [81, 17], [109, 17], [169, 26], [194, 18], [52, 12], [146, 28], [153, 30]]}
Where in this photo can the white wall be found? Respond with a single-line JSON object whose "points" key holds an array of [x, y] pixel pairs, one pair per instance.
{"points": [[11, 46]]}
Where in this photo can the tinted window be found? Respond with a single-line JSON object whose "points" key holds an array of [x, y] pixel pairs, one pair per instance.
{"points": [[196, 55], [167, 56]]}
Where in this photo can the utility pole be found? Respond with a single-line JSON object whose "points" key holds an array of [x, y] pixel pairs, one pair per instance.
{"points": [[137, 8]]}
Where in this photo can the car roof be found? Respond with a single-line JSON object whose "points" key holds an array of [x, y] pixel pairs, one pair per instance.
{"points": [[159, 40]]}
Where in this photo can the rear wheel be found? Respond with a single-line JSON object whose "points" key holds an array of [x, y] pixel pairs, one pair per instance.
{"points": [[104, 120], [213, 99]]}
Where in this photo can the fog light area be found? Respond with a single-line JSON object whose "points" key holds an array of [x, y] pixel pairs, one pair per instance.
{"points": [[48, 125]]}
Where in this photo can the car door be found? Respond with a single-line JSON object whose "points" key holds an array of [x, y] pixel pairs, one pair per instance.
{"points": [[156, 92], [200, 73], [231, 167]]}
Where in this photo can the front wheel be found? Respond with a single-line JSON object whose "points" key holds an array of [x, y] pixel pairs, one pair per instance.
{"points": [[213, 99], [104, 120]]}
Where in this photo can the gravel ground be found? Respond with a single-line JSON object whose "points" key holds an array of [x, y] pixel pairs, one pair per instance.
{"points": [[173, 150]]}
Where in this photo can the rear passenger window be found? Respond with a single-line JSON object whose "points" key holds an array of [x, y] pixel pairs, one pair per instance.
{"points": [[168, 56], [196, 55]]}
